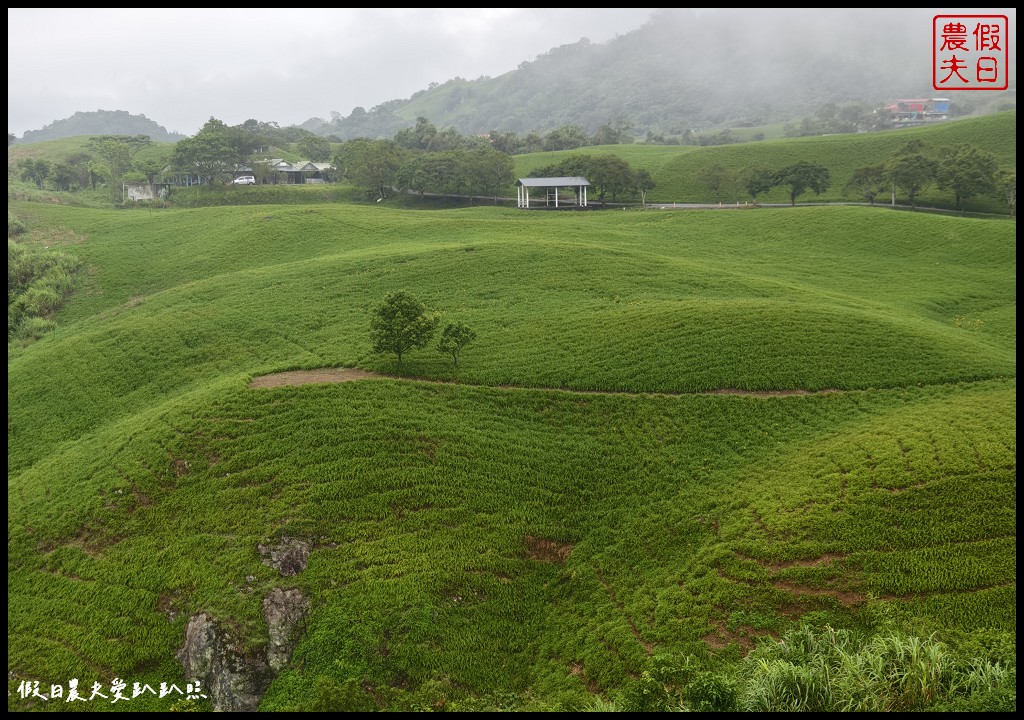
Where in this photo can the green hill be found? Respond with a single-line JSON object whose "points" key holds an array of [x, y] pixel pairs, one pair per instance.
{"points": [[678, 434], [677, 169], [101, 122]]}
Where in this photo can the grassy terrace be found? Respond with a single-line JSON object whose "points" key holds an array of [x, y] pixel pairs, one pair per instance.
{"points": [[494, 540]]}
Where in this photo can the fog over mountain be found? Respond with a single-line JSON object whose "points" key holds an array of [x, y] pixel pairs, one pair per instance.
{"points": [[695, 69], [180, 66], [668, 71]]}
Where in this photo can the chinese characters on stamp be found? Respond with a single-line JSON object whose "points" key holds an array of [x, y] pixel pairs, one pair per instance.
{"points": [[970, 52]]}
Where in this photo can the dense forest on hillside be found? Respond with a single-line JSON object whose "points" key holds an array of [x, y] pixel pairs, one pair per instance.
{"points": [[682, 75], [688, 71]]}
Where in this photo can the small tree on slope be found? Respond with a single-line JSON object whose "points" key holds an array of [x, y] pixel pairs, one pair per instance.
{"points": [[401, 323], [454, 337]]}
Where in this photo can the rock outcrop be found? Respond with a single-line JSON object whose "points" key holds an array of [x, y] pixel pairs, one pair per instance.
{"points": [[284, 611], [235, 679], [234, 682], [288, 556]]}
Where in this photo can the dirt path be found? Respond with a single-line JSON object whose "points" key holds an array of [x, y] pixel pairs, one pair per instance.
{"points": [[338, 375], [305, 377]]}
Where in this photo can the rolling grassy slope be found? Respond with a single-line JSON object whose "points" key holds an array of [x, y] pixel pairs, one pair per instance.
{"points": [[655, 302], [475, 543], [677, 169], [438, 515]]}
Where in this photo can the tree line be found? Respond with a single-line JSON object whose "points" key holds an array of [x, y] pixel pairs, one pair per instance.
{"points": [[213, 154], [423, 159], [964, 170], [381, 166], [797, 178]]}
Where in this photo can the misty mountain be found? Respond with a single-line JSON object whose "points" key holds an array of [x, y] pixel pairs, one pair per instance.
{"points": [[101, 122], [683, 70], [687, 69]]}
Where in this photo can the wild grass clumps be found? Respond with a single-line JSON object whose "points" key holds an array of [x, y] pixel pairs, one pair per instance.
{"points": [[38, 283], [687, 683], [15, 226], [829, 670]]}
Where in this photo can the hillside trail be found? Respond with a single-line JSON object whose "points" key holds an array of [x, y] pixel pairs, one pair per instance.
{"points": [[340, 375]]}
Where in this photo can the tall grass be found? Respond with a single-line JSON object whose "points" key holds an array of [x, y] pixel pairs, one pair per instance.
{"points": [[38, 284], [832, 670]]}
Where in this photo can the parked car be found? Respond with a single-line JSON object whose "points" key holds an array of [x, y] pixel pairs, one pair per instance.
{"points": [[244, 180]]}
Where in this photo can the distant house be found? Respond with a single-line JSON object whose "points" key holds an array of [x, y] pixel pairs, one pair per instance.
{"points": [[297, 173], [547, 189], [316, 172], [280, 171], [909, 112]]}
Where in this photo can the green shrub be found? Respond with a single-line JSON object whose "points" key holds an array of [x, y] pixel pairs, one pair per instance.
{"points": [[347, 696], [15, 226], [454, 337], [710, 692], [647, 694], [33, 328], [38, 283]]}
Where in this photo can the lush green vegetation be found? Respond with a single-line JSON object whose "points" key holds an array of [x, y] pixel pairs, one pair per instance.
{"points": [[574, 518], [774, 131], [673, 174], [57, 150], [38, 283], [677, 170], [829, 670]]}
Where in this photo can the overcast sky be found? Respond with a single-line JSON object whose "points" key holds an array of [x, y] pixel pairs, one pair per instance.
{"points": [[180, 67]]}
